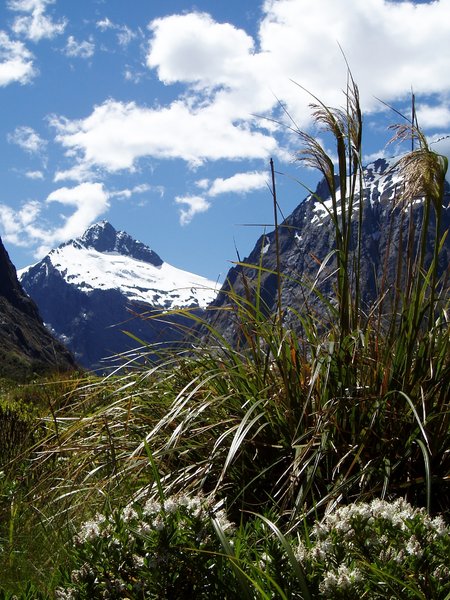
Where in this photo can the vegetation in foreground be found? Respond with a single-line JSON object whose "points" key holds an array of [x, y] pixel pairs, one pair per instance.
{"points": [[309, 464]]}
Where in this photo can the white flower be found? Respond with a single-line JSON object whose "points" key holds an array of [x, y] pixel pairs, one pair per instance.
{"points": [[90, 529], [301, 552], [128, 513], [413, 547], [65, 594], [222, 521], [171, 505], [264, 560], [151, 508], [158, 524], [439, 527], [329, 582], [344, 580], [138, 561]]}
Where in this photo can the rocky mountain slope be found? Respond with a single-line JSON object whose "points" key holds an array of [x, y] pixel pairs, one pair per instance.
{"points": [[90, 289], [306, 238], [26, 345]]}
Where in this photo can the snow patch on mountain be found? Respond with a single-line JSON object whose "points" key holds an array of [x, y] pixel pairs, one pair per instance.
{"points": [[382, 181], [106, 259]]}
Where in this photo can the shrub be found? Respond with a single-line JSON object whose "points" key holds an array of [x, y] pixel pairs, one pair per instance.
{"points": [[154, 550], [379, 550]]}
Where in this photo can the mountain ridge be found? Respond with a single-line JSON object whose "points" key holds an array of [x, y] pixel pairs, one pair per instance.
{"points": [[306, 240], [90, 288]]}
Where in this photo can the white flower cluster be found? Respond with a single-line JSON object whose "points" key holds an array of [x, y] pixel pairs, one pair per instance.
{"points": [[65, 594], [343, 579], [152, 516], [130, 540], [154, 512], [380, 532], [92, 529]]}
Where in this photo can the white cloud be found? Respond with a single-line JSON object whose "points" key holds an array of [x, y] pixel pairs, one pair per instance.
{"points": [[195, 205], [133, 75], [229, 77], [105, 24], [137, 189], [90, 200], [240, 183], [79, 172], [35, 24], [16, 62], [390, 46], [124, 34], [27, 139], [34, 175], [15, 223], [194, 48], [203, 184], [117, 134], [27, 227], [82, 49], [440, 143], [434, 117]]}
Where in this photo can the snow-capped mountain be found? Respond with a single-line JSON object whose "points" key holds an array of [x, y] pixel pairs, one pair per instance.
{"points": [[88, 288], [306, 238]]}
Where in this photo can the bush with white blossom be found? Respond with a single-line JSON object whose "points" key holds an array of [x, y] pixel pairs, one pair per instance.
{"points": [[154, 550], [382, 550]]}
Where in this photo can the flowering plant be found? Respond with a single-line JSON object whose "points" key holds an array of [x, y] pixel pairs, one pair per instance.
{"points": [[156, 550], [378, 550]]}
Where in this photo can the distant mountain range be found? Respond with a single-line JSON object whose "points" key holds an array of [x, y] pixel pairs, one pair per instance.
{"points": [[306, 239], [26, 346], [92, 287]]}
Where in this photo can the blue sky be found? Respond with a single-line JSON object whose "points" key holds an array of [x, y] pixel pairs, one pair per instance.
{"points": [[158, 115]]}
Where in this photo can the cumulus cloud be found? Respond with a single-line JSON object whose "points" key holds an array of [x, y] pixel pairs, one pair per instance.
{"points": [[15, 223], [26, 226], [117, 134], [201, 50], [79, 49], [389, 45], [195, 205], [105, 24], [240, 183], [34, 24], [433, 117], [27, 139], [230, 77], [90, 200], [16, 61]]}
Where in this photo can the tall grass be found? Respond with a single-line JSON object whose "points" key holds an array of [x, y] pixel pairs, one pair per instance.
{"points": [[351, 404]]}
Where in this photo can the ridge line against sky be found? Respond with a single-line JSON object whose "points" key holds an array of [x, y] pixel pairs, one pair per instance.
{"points": [[162, 116]]}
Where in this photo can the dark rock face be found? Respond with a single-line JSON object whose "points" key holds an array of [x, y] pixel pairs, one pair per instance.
{"points": [[92, 324], [26, 346], [104, 238], [306, 239]]}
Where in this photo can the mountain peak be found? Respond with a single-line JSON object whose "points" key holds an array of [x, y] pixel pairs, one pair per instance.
{"points": [[103, 237]]}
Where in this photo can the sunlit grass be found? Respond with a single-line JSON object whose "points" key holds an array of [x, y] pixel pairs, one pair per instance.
{"points": [[290, 423]]}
